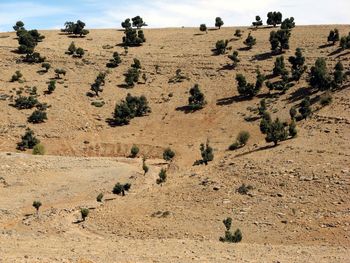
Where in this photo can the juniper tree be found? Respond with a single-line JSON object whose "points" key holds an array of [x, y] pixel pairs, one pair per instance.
{"points": [[305, 108], [130, 108], [318, 76], [80, 52], [293, 112], [131, 77], [144, 166], [17, 76], [72, 48], [333, 36], [262, 107], [345, 41], [38, 116], [162, 176], [23, 102], [115, 61], [59, 72], [279, 67], [203, 28], [78, 29], [250, 41], [138, 22], [298, 67], [28, 141], [99, 197], [126, 24], [221, 46], [234, 58], [288, 23], [133, 37], [292, 129], [218, 22], [96, 87], [168, 154], [276, 132], [206, 153], [257, 22], [136, 64], [134, 151], [46, 66], [279, 40], [241, 140], [265, 122], [18, 26], [196, 100], [338, 75], [37, 205], [246, 89], [84, 213], [121, 188], [274, 18], [238, 33], [229, 237]]}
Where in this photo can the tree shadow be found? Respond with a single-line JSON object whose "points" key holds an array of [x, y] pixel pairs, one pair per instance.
{"points": [[244, 48], [78, 221], [198, 34], [41, 72], [230, 100], [326, 45], [344, 54], [112, 123], [299, 94], [124, 86], [75, 36], [187, 109], [263, 148], [227, 67], [335, 52], [213, 29]]}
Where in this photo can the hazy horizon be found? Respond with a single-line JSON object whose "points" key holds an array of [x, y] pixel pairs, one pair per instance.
{"points": [[106, 14]]}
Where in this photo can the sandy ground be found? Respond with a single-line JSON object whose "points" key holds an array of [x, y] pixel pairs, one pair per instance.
{"points": [[298, 211]]}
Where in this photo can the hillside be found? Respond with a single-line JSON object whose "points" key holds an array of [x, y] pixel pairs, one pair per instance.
{"points": [[297, 211]]}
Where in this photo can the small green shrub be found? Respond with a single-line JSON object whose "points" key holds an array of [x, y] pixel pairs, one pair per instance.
{"points": [[17, 76], [326, 99], [121, 188], [99, 197], [229, 237], [84, 213], [134, 151], [36, 205], [28, 141], [168, 154], [39, 149], [37, 116]]}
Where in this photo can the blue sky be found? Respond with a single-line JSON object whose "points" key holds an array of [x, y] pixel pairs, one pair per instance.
{"points": [[46, 14]]}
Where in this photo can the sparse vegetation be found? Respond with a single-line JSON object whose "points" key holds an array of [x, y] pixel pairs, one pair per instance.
{"points": [[249, 90], [244, 189], [46, 66], [345, 41], [115, 61], [206, 153], [51, 87], [279, 67], [23, 102], [280, 40], [338, 75], [288, 23], [305, 108], [238, 33], [131, 77], [144, 166], [179, 77], [229, 237], [276, 132]]}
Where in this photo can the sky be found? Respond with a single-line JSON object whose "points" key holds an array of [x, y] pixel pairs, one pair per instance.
{"points": [[51, 14]]}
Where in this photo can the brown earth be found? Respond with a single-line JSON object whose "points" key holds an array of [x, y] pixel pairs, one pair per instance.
{"points": [[298, 211]]}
